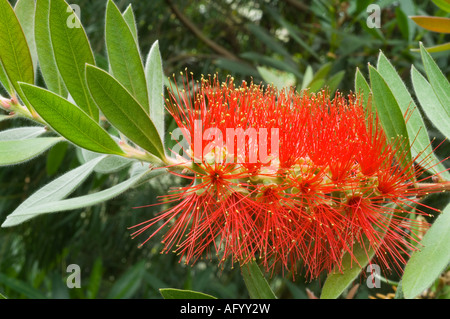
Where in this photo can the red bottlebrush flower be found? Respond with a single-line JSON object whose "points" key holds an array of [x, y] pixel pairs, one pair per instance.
{"points": [[284, 178]]}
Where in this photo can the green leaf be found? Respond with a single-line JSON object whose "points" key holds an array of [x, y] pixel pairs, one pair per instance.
{"points": [[391, 117], [22, 133], [437, 79], [402, 22], [6, 83], [279, 79], [130, 19], [316, 85], [123, 111], [25, 13], [436, 48], [21, 287], [47, 63], [170, 293], [70, 121], [55, 158], [54, 204], [323, 72], [54, 191], [433, 108], [155, 86], [256, 283], [334, 81], [95, 279], [18, 151], [124, 56], [435, 24], [127, 285], [72, 51], [443, 4], [337, 282], [111, 164], [307, 77], [428, 263], [415, 125], [14, 53], [362, 87]]}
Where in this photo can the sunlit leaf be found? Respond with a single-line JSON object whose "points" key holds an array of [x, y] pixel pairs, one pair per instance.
{"points": [[123, 111], [124, 56], [443, 4], [14, 54], [72, 51], [391, 117], [47, 63], [435, 24], [69, 121], [25, 13]]}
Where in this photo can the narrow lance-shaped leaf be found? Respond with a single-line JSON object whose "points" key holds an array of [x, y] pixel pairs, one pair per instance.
{"points": [[109, 165], [436, 48], [443, 4], [437, 79], [435, 24], [433, 108], [334, 81], [415, 125], [4, 80], [19, 151], [130, 19], [47, 63], [124, 56], [72, 51], [71, 122], [362, 88], [256, 283], [56, 190], [426, 264], [337, 282], [391, 118], [169, 293], [155, 86], [53, 204], [14, 53], [22, 133], [25, 13], [351, 265], [123, 111]]}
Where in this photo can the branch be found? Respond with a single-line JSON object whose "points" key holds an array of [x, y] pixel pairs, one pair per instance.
{"points": [[198, 33]]}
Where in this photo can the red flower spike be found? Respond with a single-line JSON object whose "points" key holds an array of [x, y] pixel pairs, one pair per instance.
{"points": [[285, 179]]}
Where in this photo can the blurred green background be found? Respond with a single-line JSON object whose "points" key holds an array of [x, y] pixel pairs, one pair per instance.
{"points": [[305, 43]]}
